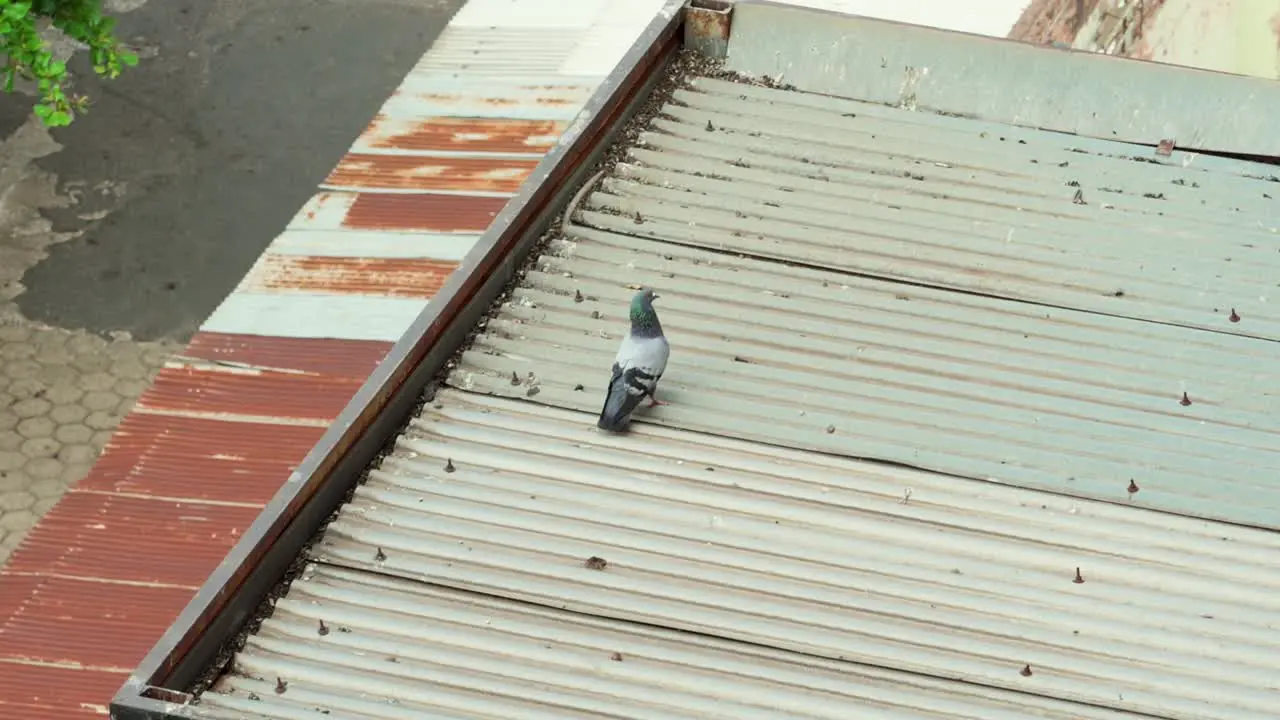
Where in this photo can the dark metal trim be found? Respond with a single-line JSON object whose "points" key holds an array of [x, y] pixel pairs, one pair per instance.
{"points": [[256, 564]]}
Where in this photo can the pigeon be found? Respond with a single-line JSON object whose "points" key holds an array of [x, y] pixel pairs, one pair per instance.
{"points": [[638, 365]]}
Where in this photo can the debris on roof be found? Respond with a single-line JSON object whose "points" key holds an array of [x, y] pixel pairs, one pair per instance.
{"points": [[930, 377]]}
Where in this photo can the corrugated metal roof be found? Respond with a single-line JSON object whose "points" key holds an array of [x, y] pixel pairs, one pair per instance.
{"points": [[806, 553], [795, 240], [413, 650], [1061, 400], [950, 202], [1015, 83]]}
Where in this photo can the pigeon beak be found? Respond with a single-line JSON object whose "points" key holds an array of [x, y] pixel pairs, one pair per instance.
{"points": [[656, 296]]}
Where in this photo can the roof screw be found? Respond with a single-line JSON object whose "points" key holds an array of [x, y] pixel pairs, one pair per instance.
{"points": [[596, 563], [1133, 487], [831, 429], [515, 379], [448, 465], [578, 387], [639, 218], [1026, 671], [1079, 578], [577, 296], [1079, 197], [710, 127], [281, 686], [1234, 317], [531, 392], [616, 657], [595, 314], [1185, 401], [380, 556], [324, 629]]}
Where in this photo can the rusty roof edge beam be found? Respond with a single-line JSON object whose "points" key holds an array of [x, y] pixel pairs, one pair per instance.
{"points": [[1004, 81], [233, 592]]}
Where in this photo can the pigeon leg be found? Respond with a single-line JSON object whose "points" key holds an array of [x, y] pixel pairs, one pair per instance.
{"points": [[655, 402]]}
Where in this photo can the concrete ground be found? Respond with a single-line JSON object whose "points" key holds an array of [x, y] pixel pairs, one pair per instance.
{"points": [[121, 233]]}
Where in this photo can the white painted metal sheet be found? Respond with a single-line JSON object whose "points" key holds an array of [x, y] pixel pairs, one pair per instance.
{"points": [[832, 558], [1060, 400], [393, 648]]}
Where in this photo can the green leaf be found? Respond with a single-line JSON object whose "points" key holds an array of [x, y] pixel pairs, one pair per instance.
{"points": [[16, 11], [24, 52]]}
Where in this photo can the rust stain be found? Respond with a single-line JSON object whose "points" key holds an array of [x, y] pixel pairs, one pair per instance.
{"points": [[426, 213], [200, 459], [467, 134], [709, 20], [452, 99], [70, 620], [263, 394], [317, 356], [132, 539], [314, 206], [385, 277], [410, 172], [44, 692]]}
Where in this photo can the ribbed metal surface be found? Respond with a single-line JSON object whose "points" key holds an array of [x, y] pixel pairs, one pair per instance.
{"points": [[950, 202], [500, 53], [199, 458], [444, 135], [417, 173], [429, 213], [1061, 400], [465, 95], [379, 277], [930, 69], [314, 356], [801, 552], [400, 649], [221, 392], [117, 540]]}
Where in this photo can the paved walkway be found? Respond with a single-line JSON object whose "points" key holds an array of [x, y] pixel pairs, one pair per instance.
{"points": [[120, 234], [63, 392], [217, 433]]}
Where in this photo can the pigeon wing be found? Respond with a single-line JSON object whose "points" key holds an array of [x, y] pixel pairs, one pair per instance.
{"points": [[636, 372]]}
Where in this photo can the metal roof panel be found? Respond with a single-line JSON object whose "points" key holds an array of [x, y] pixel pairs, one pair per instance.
{"points": [[853, 187], [1016, 83], [806, 553], [1062, 400], [392, 648]]}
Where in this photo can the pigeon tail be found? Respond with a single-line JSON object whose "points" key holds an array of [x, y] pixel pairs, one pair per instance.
{"points": [[621, 401]]}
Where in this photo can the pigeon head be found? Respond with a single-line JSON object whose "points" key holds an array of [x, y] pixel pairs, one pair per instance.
{"points": [[644, 320]]}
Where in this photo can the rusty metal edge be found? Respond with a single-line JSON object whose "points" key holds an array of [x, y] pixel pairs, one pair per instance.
{"points": [[259, 560]]}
